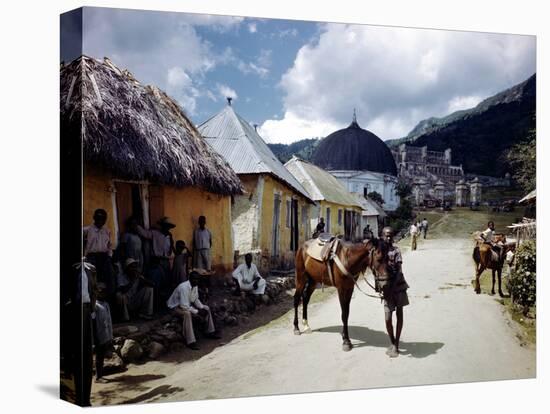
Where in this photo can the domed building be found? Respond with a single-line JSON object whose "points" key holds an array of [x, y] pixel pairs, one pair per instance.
{"points": [[361, 161]]}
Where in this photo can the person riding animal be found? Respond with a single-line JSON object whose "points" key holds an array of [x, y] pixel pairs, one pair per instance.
{"points": [[488, 236]]}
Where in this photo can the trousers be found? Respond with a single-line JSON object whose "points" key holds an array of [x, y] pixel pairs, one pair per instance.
{"points": [[187, 318]]}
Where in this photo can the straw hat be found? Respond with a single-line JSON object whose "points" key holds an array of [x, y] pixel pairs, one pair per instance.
{"points": [[165, 221]]}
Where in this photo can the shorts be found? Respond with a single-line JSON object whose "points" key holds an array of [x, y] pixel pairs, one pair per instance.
{"points": [[397, 299]]}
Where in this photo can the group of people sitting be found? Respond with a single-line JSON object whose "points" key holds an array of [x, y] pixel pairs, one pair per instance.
{"points": [[148, 269]]}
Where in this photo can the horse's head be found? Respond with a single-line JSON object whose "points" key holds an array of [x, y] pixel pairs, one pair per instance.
{"points": [[378, 258]]}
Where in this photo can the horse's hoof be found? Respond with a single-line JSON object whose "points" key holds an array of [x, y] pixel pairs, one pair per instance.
{"points": [[346, 346], [501, 294], [478, 291], [297, 332], [307, 330]]}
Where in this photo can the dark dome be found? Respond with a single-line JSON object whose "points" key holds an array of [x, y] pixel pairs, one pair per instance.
{"points": [[354, 149]]}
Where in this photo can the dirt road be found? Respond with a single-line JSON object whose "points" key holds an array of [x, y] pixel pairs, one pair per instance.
{"points": [[450, 335]]}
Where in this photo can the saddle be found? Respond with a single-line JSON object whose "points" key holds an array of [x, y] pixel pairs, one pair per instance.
{"points": [[320, 247]]}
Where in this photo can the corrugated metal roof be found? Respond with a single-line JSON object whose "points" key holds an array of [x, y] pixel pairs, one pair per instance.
{"points": [[368, 206], [244, 149], [320, 184]]}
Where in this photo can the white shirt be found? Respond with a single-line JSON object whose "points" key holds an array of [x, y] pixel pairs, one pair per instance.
{"points": [[84, 292], [509, 257], [202, 239], [246, 274], [414, 229], [185, 296], [488, 235], [97, 240], [425, 223]]}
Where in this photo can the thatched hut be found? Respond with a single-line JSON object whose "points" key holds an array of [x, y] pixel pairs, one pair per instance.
{"points": [[142, 156]]}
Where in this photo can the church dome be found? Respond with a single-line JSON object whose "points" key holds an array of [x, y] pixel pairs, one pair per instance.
{"points": [[354, 149]]}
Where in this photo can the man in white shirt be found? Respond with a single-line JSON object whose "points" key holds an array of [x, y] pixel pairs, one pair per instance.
{"points": [[98, 250], [185, 302], [414, 235], [424, 225], [248, 278]]}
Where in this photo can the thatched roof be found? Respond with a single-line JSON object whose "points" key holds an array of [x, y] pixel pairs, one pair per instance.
{"points": [[136, 131]]}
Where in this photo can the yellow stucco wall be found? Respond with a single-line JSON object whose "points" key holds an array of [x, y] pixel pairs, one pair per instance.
{"points": [[271, 187], [185, 205], [97, 194], [182, 205], [335, 228]]}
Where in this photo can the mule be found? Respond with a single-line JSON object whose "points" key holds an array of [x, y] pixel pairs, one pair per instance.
{"points": [[355, 258], [484, 258]]}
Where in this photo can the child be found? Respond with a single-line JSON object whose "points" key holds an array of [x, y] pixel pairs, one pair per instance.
{"points": [[103, 331], [179, 267]]}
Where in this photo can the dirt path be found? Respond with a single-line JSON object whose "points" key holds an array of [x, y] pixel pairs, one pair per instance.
{"points": [[450, 335]]}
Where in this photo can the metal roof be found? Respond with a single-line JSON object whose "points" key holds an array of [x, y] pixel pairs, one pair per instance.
{"points": [[320, 184], [369, 207], [244, 149]]}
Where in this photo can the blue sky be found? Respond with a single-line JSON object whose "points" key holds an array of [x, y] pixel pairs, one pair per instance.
{"points": [[302, 79]]}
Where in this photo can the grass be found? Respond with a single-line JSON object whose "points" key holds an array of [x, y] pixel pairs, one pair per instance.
{"points": [[461, 222]]}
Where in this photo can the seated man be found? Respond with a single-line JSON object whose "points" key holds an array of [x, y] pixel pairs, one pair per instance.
{"points": [[248, 278], [134, 292], [185, 303], [488, 237]]}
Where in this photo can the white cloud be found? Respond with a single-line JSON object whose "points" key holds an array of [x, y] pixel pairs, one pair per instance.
{"points": [[177, 78], [226, 92], [395, 77], [159, 48], [252, 28], [463, 102], [292, 128]]}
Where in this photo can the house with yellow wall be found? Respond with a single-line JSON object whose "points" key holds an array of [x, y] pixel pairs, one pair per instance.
{"points": [[339, 208], [143, 157], [268, 219]]}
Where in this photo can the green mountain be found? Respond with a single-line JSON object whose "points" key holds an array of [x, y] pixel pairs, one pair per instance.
{"points": [[479, 137], [302, 149]]}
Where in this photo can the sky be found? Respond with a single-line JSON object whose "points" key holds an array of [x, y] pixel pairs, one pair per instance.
{"points": [[298, 79]]}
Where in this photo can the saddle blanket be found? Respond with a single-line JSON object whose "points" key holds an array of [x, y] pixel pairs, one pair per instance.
{"points": [[319, 250]]}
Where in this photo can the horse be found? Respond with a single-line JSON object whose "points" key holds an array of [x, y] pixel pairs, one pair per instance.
{"points": [[354, 258], [485, 258]]}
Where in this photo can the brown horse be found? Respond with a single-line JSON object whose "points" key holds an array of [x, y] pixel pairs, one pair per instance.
{"points": [[355, 257], [484, 258]]}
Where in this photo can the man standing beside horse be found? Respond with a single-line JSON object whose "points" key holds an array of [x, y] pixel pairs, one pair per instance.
{"points": [[394, 292]]}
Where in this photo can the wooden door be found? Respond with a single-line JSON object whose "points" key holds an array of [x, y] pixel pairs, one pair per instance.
{"points": [[294, 235]]}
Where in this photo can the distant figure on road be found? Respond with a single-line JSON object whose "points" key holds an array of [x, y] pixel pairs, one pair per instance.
{"points": [[414, 235], [395, 293], [248, 278], [424, 226]]}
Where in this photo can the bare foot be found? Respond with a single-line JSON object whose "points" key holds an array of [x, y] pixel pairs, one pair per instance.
{"points": [[392, 352]]}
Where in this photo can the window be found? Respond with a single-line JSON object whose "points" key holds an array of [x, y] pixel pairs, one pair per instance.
{"points": [[288, 213], [305, 220], [327, 220], [339, 216]]}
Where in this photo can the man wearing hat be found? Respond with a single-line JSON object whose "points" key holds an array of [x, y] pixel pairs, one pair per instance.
{"points": [[134, 293], [162, 245], [185, 303]]}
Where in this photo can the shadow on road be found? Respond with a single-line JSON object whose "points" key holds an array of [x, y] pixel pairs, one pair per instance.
{"points": [[370, 337], [162, 391]]}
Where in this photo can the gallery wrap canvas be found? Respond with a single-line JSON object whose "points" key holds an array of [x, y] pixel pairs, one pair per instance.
{"points": [[255, 206]]}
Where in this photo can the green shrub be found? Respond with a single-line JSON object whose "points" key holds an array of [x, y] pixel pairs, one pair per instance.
{"points": [[523, 281]]}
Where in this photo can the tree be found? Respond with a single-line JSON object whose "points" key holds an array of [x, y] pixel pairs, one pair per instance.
{"points": [[376, 197], [403, 189], [522, 158]]}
